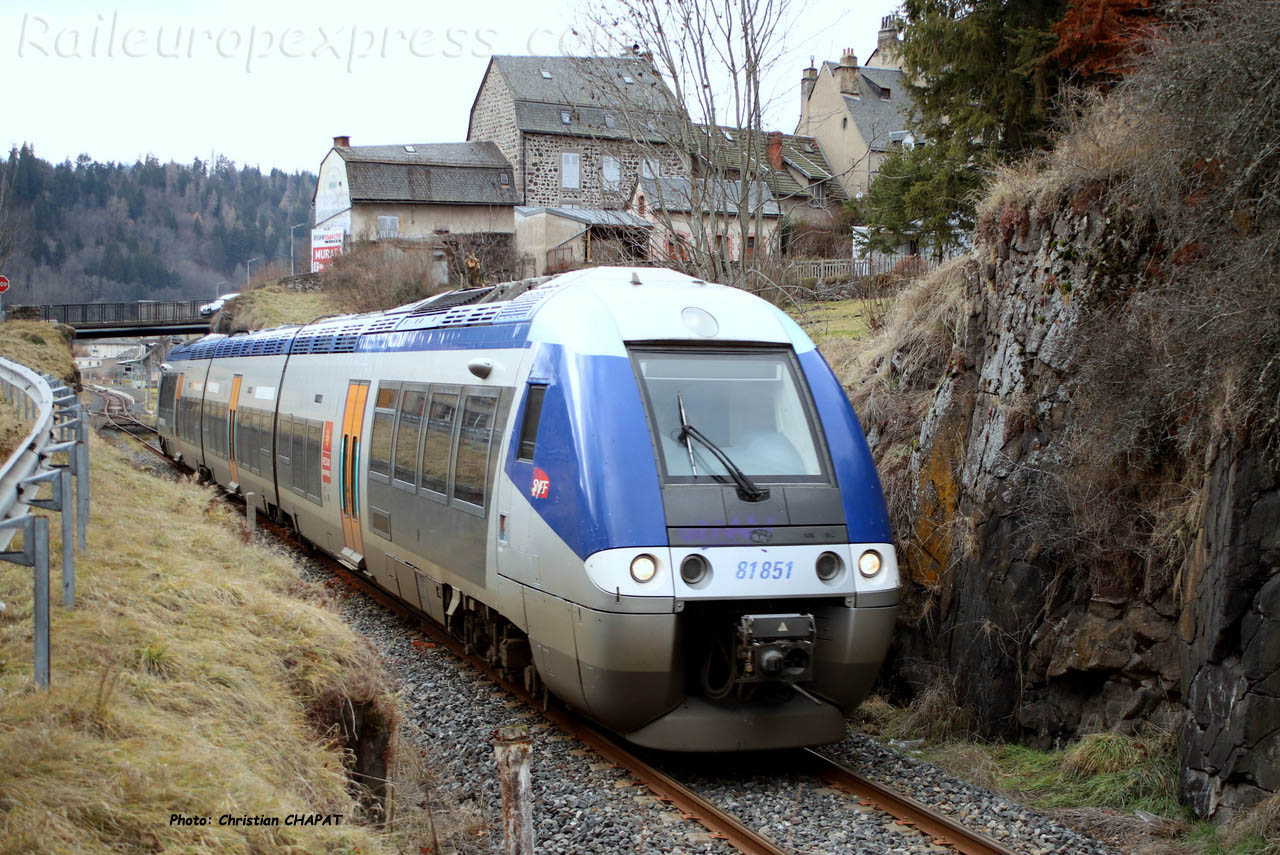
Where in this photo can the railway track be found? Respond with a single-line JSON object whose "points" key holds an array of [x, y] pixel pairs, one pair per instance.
{"points": [[935, 828], [115, 414]]}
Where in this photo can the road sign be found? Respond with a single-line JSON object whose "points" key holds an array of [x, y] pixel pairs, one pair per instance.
{"points": [[4, 284]]}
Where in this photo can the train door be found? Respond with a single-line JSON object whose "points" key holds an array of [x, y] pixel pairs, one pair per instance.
{"points": [[231, 427], [349, 468]]}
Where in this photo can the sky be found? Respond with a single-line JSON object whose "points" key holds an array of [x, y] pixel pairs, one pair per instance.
{"points": [[271, 84]]}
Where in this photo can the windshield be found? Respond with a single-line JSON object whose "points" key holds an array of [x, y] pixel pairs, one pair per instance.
{"points": [[747, 403]]}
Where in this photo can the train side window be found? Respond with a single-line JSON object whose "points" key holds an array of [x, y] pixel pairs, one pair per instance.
{"points": [[437, 442], [384, 420], [314, 430], [471, 465], [532, 416], [302, 461], [408, 429]]}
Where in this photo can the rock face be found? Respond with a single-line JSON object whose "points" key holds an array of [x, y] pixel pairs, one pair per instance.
{"points": [[1045, 637]]}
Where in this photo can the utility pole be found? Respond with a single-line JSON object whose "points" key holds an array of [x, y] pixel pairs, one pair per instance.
{"points": [[246, 270], [293, 256]]}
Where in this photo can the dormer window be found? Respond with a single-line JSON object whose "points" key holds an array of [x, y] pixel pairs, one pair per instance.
{"points": [[626, 78], [546, 75], [410, 149], [609, 121], [727, 135], [884, 94], [504, 179], [565, 116]]}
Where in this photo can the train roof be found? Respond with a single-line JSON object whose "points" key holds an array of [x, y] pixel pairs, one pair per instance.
{"points": [[642, 304]]}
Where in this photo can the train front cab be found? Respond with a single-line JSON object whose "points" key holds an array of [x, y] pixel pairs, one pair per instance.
{"points": [[778, 635]]}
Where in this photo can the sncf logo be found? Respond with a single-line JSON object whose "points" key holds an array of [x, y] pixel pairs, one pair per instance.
{"points": [[541, 484]]}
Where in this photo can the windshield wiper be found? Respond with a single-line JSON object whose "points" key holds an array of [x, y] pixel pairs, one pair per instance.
{"points": [[748, 490]]}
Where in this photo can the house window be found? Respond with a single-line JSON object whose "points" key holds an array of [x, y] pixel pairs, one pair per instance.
{"points": [[388, 227], [611, 173], [650, 167], [504, 179], [627, 78], [565, 116], [570, 164], [640, 207], [819, 193], [884, 94], [546, 75], [610, 121], [750, 250], [844, 123]]}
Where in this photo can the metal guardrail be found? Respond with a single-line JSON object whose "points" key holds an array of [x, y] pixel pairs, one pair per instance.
{"points": [[59, 427], [110, 313]]}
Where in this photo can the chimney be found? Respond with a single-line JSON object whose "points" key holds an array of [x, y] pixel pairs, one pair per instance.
{"points": [[887, 38], [342, 142], [807, 81], [847, 72], [775, 150]]}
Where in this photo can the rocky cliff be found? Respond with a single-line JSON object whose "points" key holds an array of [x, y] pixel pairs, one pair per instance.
{"points": [[1057, 583]]}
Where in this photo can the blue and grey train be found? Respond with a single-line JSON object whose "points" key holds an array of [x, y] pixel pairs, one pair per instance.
{"points": [[641, 492]]}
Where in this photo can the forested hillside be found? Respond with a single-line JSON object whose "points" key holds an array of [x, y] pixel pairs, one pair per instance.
{"points": [[86, 231]]}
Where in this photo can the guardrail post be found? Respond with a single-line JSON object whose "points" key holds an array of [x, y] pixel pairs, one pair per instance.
{"points": [[35, 554], [60, 480], [82, 479]]}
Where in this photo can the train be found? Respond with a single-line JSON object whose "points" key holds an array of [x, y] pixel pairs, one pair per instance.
{"points": [[640, 492]]}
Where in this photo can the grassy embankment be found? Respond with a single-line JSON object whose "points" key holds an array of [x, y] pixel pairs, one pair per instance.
{"points": [[274, 305], [198, 674]]}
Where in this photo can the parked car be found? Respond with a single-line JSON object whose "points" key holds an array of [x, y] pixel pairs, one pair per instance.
{"points": [[214, 307]]}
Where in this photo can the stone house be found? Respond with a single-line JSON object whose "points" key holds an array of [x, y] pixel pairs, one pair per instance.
{"points": [[706, 212], [858, 113], [578, 131], [794, 169], [415, 191]]}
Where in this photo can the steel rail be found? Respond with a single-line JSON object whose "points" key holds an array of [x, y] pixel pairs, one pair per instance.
{"points": [[938, 828]]}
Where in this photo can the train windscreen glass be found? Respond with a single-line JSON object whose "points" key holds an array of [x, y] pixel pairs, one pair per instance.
{"points": [[749, 404]]}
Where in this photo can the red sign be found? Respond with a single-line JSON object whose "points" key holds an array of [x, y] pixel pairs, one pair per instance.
{"points": [[541, 484], [326, 454], [326, 244], [4, 284]]}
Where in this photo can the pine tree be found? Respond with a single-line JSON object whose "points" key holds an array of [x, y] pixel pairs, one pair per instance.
{"points": [[984, 81]]}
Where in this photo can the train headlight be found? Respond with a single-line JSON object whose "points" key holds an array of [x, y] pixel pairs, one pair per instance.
{"points": [[643, 568], [828, 566], [693, 569], [869, 563]]}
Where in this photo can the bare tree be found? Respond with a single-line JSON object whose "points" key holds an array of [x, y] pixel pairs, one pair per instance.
{"points": [[714, 55]]}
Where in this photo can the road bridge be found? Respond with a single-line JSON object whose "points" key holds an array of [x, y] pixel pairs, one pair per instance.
{"points": [[118, 320]]}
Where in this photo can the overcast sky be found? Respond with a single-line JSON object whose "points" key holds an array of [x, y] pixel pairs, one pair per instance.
{"points": [[271, 84]]}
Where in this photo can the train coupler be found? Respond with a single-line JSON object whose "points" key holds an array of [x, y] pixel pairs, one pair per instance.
{"points": [[774, 648]]}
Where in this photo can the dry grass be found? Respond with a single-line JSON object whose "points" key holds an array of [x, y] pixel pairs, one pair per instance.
{"points": [[13, 429], [41, 347], [371, 277], [186, 680], [274, 306]]}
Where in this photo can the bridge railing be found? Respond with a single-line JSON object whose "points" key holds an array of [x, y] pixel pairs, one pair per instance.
{"points": [[109, 313], [59, 427]]}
